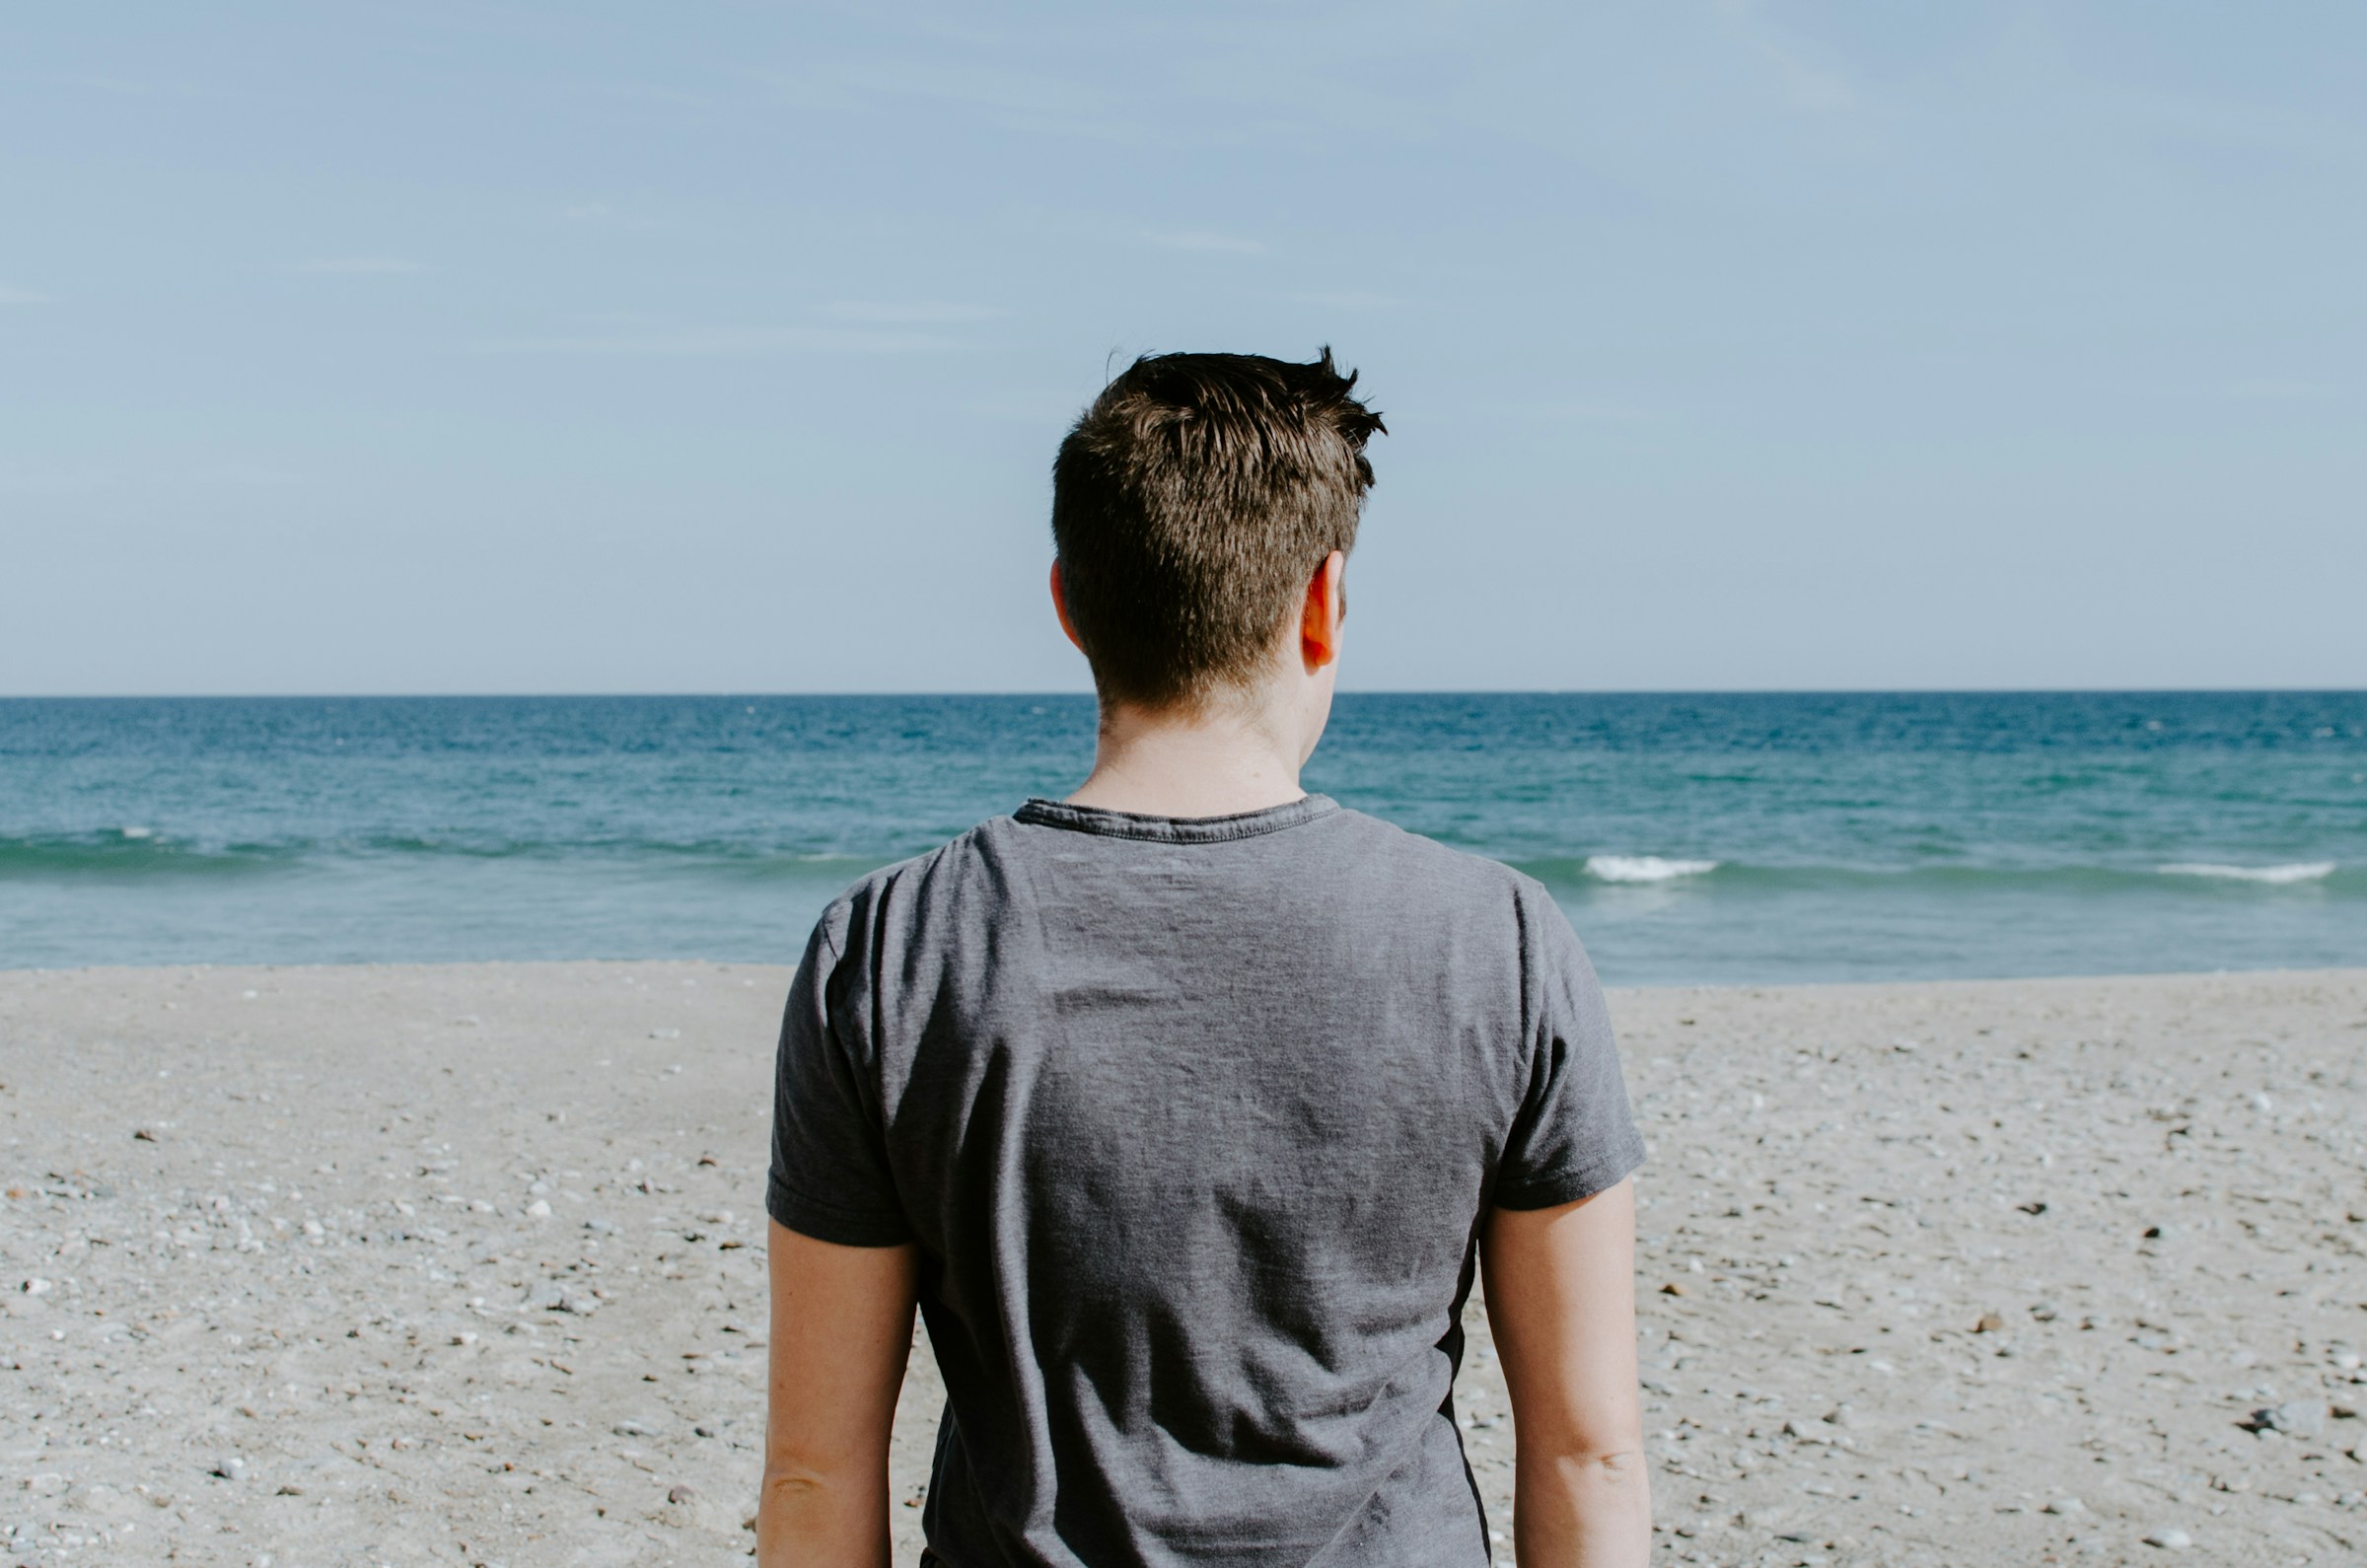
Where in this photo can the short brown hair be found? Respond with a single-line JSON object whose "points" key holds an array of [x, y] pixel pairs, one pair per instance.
{"points": [[1190, 505]]}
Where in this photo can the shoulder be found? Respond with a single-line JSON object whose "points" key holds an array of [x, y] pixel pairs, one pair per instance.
{"points": [[894, 891], [1473, 896], [1452, 874]]}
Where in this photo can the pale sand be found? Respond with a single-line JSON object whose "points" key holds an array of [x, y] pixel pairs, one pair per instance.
{"points": [[314, 1317]]}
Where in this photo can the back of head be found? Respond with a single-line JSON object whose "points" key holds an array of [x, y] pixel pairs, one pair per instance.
{"points": [[1191, 506]]}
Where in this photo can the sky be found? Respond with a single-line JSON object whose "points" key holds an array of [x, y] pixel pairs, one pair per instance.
{"points": [[724, 347]]}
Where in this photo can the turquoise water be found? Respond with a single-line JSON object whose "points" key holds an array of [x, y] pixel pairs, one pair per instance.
{"points": [[1714, 838]]}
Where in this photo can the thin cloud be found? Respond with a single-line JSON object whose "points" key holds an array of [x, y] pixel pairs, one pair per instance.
{"points": [[358, 266], [725, 343], [15, 296], [1204, 241]]}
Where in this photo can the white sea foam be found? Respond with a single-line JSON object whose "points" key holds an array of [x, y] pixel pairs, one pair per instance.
{"points": [[137, 832], [1644, 868], [2300, 871]]}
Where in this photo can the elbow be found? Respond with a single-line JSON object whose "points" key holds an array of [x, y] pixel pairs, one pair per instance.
{"points": [[800, 1517], [820, 1496], [790, 1495], [790, 1486], [1613, 1466], [1602, 1471]]}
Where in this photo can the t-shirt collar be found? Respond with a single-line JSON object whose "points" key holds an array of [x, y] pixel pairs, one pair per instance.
{"points": [[1108, 824]]}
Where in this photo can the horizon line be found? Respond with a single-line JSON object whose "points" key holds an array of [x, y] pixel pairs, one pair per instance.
{"points": [[1088, 696]]}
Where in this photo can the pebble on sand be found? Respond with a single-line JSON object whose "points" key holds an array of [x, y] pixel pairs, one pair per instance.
{"points": [[2301, 1417], [2170, 1539]]}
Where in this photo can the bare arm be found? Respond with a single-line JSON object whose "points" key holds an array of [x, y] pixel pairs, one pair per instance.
{"points": [[1561, 1300], [841, 1331]]}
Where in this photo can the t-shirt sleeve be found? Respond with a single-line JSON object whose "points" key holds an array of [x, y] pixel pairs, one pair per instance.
{"points": [[831, 1179], [1574, 1134]]}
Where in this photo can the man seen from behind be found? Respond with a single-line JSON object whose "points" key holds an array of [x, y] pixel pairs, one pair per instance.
{"points": [[1185, 1108]]}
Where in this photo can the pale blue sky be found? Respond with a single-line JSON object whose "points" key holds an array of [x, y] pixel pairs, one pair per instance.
{"points": [[462, 347]]}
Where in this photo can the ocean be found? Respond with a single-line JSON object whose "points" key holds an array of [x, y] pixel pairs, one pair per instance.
{"points": [[1692, 839]]}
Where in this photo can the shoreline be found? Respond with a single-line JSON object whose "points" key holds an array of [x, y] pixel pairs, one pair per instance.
{"points": [[297, 1295], [737, 965]]}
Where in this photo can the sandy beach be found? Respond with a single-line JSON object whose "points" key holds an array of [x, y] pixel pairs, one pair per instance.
{"points": [[464, 1264]]}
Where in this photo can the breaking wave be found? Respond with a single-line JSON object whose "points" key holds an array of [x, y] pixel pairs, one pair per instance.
{"points": [[2298, 871], [1644, 868]]}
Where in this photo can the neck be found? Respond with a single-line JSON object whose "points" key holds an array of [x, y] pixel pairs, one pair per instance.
{"points": [[1217, 760]]}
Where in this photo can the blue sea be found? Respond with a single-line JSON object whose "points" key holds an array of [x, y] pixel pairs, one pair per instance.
{"points": [[1691, 838]]}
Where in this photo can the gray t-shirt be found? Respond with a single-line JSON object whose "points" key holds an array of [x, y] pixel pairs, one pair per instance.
{"points": [[1193, 1121]]}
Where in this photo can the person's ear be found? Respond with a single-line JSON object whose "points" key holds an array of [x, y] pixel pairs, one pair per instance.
{"points": [[1324, 608], [1060, 607]]}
